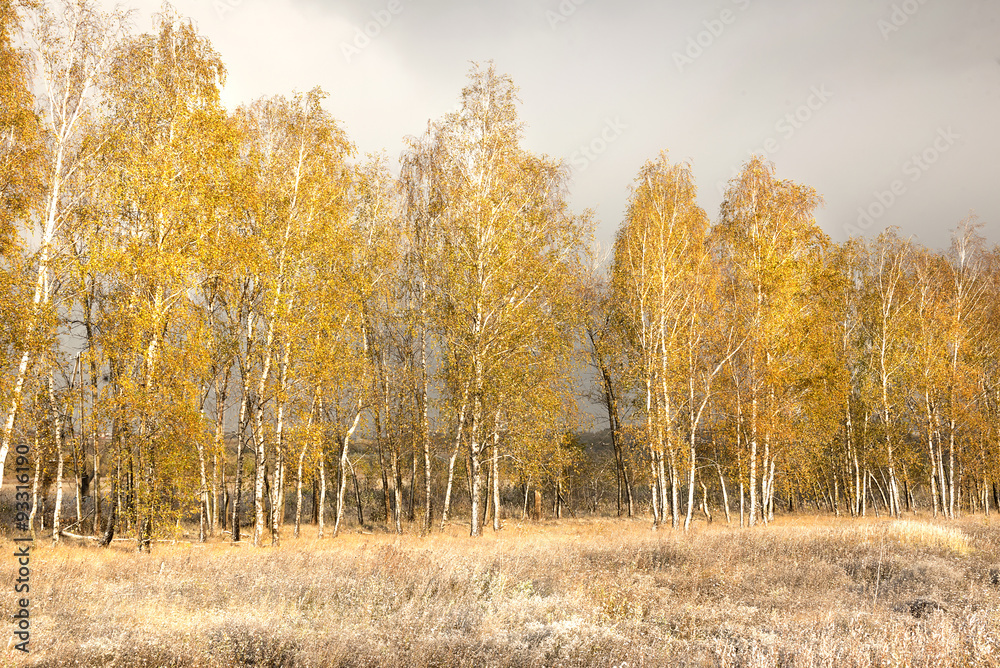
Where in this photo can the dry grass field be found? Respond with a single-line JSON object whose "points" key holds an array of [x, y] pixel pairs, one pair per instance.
{"points": [[804, 591]]}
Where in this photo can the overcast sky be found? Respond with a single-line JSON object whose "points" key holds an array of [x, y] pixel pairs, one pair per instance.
{"points": [[887, 108]]}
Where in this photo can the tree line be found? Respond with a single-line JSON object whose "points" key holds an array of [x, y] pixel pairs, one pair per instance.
{"points": [[230, 317]]}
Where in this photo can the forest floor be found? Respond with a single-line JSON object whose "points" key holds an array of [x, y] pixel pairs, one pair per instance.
{"points": [[804, 591]]}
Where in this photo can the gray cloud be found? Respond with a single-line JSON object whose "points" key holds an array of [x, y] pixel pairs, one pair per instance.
{"points": [[892, 89]]}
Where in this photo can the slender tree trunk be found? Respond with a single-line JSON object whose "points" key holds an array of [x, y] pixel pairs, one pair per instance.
{"points": [[223, 505], [203, 510], [321, 505], [764, 494], [951, 469], [559, 498], [94, 427], [238, 493], [57, 440], [752, 519], [397, 490], [742, 495], [302, 459], [475, 447], [624, 488], [109, 529], [278, 495], [277, 499], [629, 493], [704, 502], [668, 428], [80, 449], [298, 489], [95, 436], [78, 486], [986, 497], [425, 428], [488, 487], [34, 485], [260, 452], [454, 455], [379, 444], [614, 445], [115, 499], [315, 499], [411, 514], [836, 496], [859, 492], [244, 427], [849, 447], [214, 496], [357, 495], [674, 487], [945, 506], [906, 489], [149, 495], [886, 499], [893, 496], [930, 452], [725, 494], [344, 453], [864, 493], [495, 473], [382, 438], [654, 474], [692, 469], [770, 492]]}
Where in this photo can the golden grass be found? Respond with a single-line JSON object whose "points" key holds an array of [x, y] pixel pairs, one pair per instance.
{"points": [[801, 592]]}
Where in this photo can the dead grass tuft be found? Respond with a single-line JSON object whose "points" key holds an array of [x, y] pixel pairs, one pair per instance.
{"points": [[799, 593]]}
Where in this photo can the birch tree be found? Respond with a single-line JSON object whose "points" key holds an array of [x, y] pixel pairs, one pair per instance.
{"points": [[888, 316], [609, 357], [508, 243], [20, 132], [167, 146], [966, 294], [767, 234], [74, 42], [21, 162], [296, 153], [930, 363], [658, 252]]}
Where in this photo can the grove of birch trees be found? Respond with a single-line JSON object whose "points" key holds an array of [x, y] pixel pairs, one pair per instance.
{"points": [[228, 323]]}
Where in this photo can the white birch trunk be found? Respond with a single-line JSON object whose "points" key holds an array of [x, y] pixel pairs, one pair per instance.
{"points": [[322, 494], [57, 440], [495, 473], [454, 455], [344, 452]]}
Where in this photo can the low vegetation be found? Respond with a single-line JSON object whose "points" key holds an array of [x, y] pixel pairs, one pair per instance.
{"points": [[208, 310], [803, 591]]}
